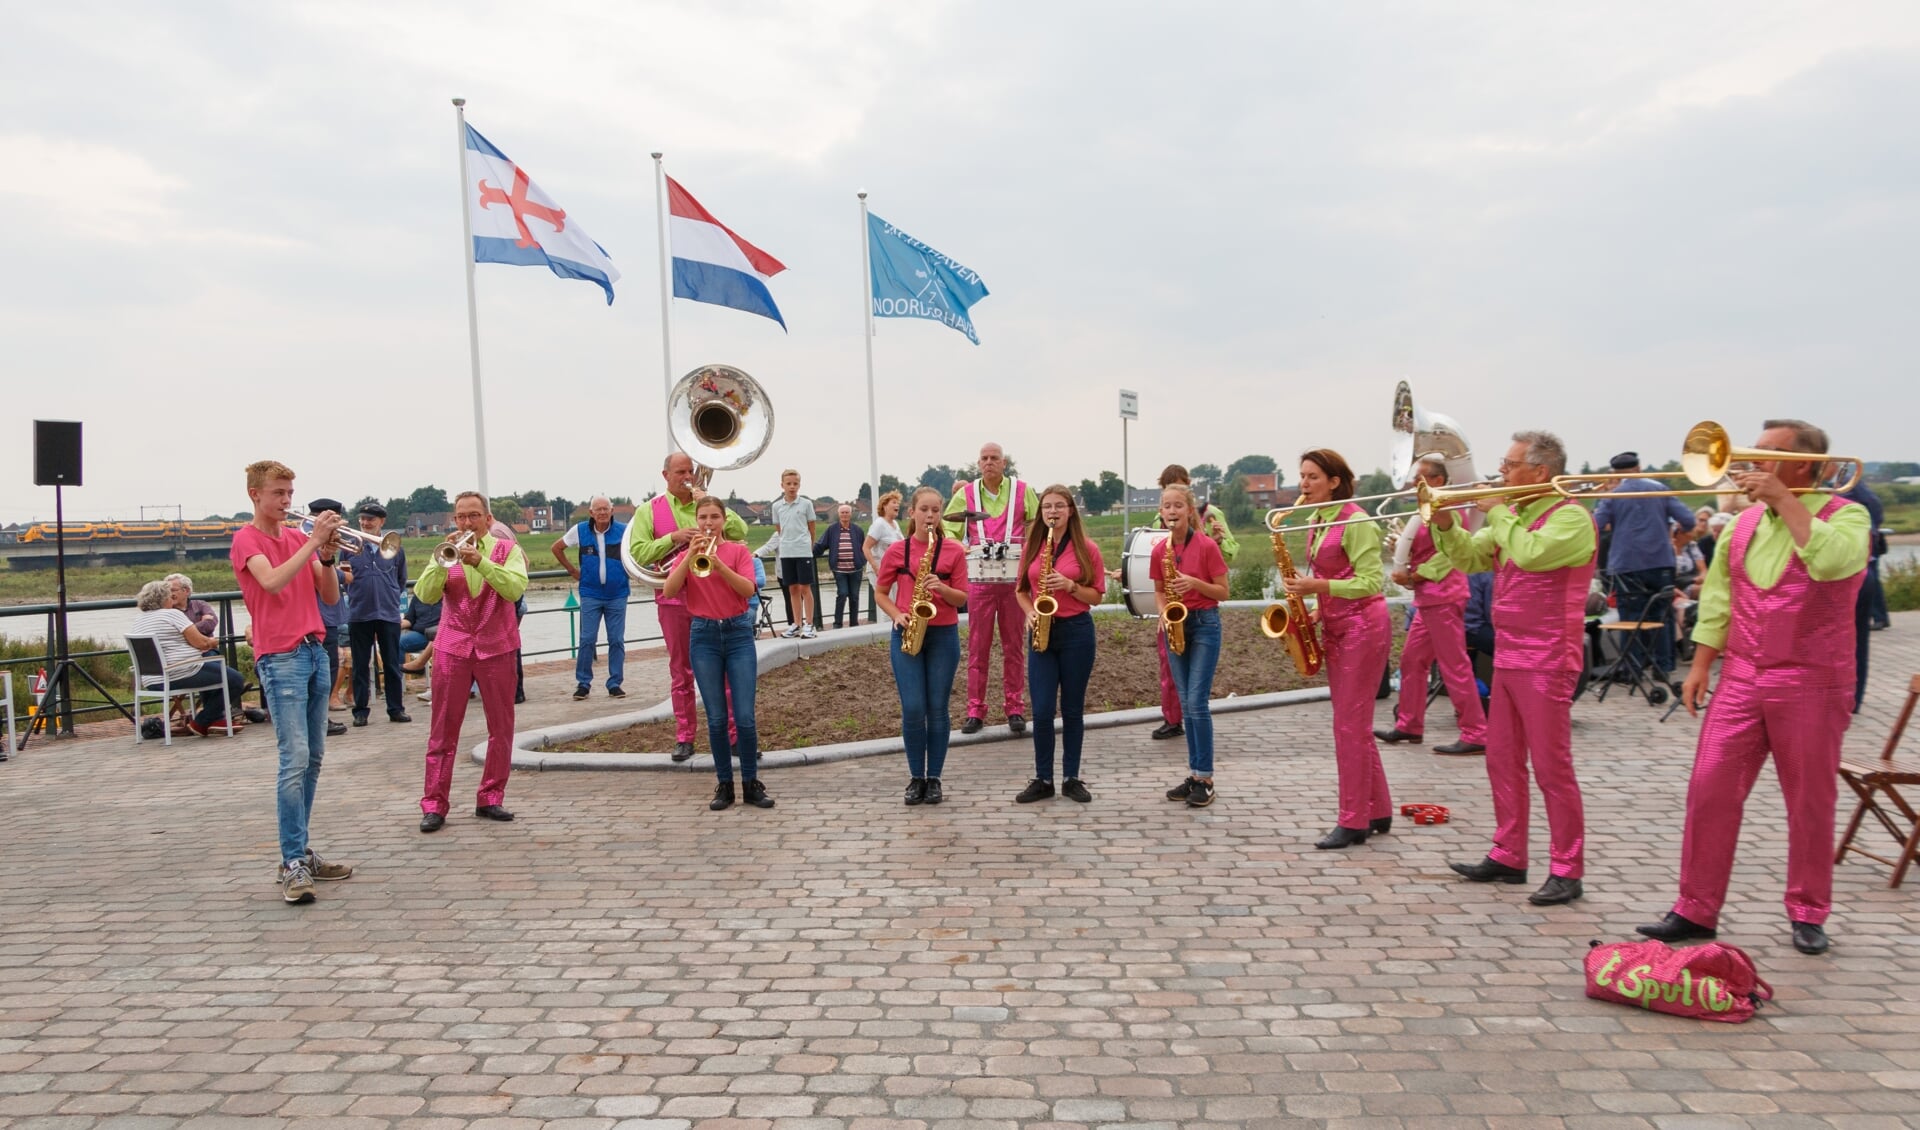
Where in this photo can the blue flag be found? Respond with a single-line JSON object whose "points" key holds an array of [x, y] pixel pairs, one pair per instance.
{"points": [[912, 280]]}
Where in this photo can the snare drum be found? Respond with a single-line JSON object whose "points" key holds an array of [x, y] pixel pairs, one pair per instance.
{"points": [[993, 563], [1136, 571]]}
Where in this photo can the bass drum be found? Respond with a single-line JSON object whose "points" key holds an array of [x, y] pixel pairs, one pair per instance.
{"points": [[1136, 571]]}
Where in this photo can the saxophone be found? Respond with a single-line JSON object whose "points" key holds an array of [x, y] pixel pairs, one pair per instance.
{"points": [[1044, 602], [922, 611], [1286, 620], [1173, 617]]}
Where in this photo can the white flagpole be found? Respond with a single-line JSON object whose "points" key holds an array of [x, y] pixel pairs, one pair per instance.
{"points": [[873, 428], [473, 317], [666, 295]]}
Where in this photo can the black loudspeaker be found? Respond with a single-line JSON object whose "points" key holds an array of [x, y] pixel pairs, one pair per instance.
{"points": [[56, 453]]}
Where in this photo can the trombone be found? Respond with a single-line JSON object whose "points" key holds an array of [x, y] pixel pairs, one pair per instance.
{"points": [[1707, 454], [1277, 517], [1443, 499], [388, 544]]}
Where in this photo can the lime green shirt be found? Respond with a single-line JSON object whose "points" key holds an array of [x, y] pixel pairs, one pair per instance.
{"points": [[1361, 544], [1223, 537], [653, 549], [1567, 539], [1835, 549], [993, 505], [508, 578]]}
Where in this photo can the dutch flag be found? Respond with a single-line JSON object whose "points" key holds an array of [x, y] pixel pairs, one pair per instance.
{"points": [[713, 264]]}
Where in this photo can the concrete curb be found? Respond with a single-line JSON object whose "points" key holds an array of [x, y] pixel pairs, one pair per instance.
{"points": [[530, 747]]}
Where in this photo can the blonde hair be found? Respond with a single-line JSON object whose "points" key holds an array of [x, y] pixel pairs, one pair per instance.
{"points": [[265, 471], [788, 471], [881, 506]]}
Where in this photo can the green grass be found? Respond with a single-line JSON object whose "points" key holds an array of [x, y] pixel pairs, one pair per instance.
{"points": [[1901, 580]]}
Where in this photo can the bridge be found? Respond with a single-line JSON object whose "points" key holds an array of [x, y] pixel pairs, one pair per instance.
{"points": [[85, 553]]}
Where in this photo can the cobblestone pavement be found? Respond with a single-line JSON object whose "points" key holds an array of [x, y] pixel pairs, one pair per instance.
{"points": [[619, 956]]}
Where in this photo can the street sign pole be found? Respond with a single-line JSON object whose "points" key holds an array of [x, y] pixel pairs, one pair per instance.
{"points": [[1129, 411]]}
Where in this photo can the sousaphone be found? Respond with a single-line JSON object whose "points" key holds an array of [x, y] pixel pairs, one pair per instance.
{"points": [[723, 420], [1419, 435]]}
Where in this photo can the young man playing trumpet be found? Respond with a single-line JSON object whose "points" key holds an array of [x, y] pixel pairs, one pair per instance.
{"points": [[1542, 547], [478, 641], [1775, 609]]}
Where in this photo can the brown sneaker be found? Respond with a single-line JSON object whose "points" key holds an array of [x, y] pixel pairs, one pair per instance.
{"points": [[296, 882], [320, 869]]}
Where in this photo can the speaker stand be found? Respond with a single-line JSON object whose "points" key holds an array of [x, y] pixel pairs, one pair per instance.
{"points": [[57, 702]]}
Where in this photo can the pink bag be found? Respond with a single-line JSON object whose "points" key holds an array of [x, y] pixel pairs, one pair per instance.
{"points": [[1707, 982]]}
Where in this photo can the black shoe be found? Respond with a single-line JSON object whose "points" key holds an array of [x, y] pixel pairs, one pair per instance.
{"points": [[1556, 890], [359, 717], [682, 751], [335, 729], [1017, 723], [1674, 928], [493, 812], [916, 791], [973, 726], [722, 797], [1460, 748], [1396, 735], [1200, 794], [1487, 871], [580, 693], [756, 794], [399, 716], [1342, 837], [1809, 937], [519, 698], [1036, 790], [1168, 730], [616, 692], [934, 795], [1380, 827], [254, 714], [432, 822], [1181, 791], [1076, 790]]}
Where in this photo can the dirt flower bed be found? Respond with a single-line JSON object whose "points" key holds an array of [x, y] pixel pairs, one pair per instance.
{"points": [[847, 695]]}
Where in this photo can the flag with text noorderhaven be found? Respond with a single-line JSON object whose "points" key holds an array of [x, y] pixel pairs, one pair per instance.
{"points": [[514, 222], [912, 280]]}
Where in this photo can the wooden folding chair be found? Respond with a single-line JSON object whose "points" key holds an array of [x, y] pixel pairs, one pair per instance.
{"points": [[1876, 781]]}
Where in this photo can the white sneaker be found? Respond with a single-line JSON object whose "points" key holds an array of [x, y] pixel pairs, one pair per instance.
{"points": [[808, 633], [425, 696], [790, 633]]}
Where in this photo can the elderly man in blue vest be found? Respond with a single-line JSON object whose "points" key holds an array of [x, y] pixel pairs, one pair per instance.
{"points": [[603, 593]]}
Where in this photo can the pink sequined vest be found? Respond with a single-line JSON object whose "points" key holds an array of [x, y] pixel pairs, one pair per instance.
{"points": [[1010, 526], [1450, 589], [483, 625], [1330, 562], [665, 523], [1797, 634], [1539, 619]]}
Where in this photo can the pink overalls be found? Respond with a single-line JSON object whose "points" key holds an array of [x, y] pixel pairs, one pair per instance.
{"points": [[1539, 643], [992, 605], [1438, 635], [1786, 685], [676, 631], [1357, 636], [478, 638]]}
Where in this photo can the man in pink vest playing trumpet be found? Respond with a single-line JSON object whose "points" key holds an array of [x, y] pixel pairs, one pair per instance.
{"points": [[1776, 608], [1542, 548], [1003, 506]]}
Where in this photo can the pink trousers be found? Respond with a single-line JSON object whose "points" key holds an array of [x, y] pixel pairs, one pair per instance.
{"points": [[989, 606], [1439, 635], [1169, 695], [1803, 728], [1357, 645], [453, 677], [1532, 723], [676, 631]]}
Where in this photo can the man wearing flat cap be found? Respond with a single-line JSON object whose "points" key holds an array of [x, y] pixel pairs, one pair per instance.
{"points": [[377, 592], [1639, 531]]}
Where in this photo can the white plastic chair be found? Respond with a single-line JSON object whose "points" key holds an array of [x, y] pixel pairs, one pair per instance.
{"points": [[145, 651]]}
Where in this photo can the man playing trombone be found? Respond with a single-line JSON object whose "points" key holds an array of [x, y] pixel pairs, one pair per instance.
{"points": [[1775, 609], [1543, 546]]}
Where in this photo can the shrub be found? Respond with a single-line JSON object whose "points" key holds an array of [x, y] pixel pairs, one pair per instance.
{"points": [[1248, 580], [1901, 579]]}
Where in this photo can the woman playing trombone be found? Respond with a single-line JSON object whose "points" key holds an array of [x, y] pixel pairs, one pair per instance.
{"points": [[1344, 563], [924, 679]]}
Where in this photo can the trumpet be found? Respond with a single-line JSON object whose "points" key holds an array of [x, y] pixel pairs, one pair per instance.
{"points": [[701, 563], [387, 544], [447, 553]]}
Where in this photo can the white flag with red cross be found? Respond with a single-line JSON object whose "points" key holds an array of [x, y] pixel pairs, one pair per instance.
{"points": [[514, 222]]}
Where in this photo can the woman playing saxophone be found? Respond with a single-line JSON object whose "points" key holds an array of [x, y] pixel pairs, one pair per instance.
{"points": [[1187, 567], [936, 565], [1068, 572]]}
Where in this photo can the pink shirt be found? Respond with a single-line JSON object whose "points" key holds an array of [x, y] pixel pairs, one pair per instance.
{"points": [[280, 619], [1197, 557], [712, 598], [899, 565], [1067, 563]]}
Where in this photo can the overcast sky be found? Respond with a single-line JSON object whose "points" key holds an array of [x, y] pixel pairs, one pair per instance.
{"points": [[233, 231]]}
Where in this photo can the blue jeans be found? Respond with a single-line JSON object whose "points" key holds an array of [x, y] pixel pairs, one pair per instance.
{"points": [[846, 599], [593, 609], [1061, 672], [412, 641], [212, 710], [1193, 679], [925, 682], [722, 656], [295, 684]]}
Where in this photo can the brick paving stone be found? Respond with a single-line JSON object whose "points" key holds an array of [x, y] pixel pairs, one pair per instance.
{"points": [[619, 957]]}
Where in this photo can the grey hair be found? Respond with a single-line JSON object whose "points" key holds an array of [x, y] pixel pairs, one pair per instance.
{"points": [[599, 498], [153, 595], [666, 464], [1544, 449], [1806, 437], [180, 579]]}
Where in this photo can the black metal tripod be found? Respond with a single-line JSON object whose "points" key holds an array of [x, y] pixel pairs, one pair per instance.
{"points": [[56, 704]]}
